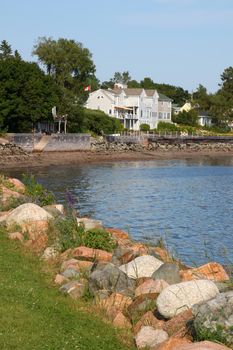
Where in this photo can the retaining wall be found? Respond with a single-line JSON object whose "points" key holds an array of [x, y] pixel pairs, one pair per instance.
{"points": [[54, 142]]}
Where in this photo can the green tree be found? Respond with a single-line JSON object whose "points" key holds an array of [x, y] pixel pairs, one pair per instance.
{"points": [[26, 95], [147, 83], [202, 98], [221, 108], [133, 84], [99, 123], [71, 67], [145, 127], [186, 118], [5, 50]]}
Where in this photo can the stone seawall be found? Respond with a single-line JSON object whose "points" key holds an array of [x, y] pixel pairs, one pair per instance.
{"points": [[51, 143], [161, 144]]}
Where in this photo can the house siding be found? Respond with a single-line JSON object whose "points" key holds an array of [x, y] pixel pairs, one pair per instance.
{"points": [[143, 108]]}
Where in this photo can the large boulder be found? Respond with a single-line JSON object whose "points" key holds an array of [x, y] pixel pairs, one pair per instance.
{"points": [[168, 272], [211, 271], [151, 287], [182, 296], [143, 266], [27, 212], [215, 317], [110, 278], [148, 337]]}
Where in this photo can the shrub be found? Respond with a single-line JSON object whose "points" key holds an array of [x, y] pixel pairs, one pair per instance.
{"points": [[37, 192], [67, 233], [98, 239], [100, 123], [164, 126], [187, 118], [145, 127]]}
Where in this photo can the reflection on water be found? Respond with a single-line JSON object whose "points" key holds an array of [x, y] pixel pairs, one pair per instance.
{"points": [[187, 202]]}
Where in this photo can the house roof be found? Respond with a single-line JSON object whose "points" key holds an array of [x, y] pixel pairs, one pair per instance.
{"points": [[203, 114], [163, 97], [150, 92], [138, 91]]}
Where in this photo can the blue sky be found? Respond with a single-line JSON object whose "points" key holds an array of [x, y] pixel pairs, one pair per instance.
{"points": [[180, 42]]}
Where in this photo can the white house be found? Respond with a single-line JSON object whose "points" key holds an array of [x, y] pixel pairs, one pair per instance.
{"points": [[132, 106]]}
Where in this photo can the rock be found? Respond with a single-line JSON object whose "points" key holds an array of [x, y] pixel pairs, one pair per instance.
{"points": [[70, 273], [92, 254], [52, 210], [123, 255], [73, 263], [148, 337], [203, 345], [211, 271], [18, 185], [118, 234], [120, 321], [75, 289], [34, 229], [115, 301], [89, 224], [179, 325], [148, 319], [143, 266], [142, 304], [168, 272], [79, 265], [100, 295], [110, 278], [171, 343], [27, 212], [50, 253], [37, 245], [216, 317], [8, 195], [151, 286], [59, 279], [59, 207], [16, 236], [182, 296]]}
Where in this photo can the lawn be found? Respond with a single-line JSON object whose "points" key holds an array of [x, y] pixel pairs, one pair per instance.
{"points": [[34, 315]]}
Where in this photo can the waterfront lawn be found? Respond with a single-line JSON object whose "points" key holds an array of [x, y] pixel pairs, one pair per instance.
{"points": [[34, 315]]}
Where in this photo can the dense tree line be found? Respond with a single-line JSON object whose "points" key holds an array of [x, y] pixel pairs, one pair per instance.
{"points": [[29, 90]]}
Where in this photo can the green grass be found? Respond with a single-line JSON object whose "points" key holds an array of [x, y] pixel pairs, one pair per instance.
{"points": [[34, 315]]}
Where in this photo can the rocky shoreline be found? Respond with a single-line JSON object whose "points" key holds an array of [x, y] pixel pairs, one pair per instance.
{"points": [[12, 156], [163, 303]]}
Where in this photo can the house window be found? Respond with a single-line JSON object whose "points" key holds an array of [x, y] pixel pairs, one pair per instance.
{"points": [[168, 115], [160, 115], [141, 114], [110, 111]]}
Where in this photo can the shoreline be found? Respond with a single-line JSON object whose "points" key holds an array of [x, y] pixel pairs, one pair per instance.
{"points": [[91, 157]]}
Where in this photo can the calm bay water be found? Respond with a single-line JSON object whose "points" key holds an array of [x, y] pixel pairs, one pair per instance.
{"points": [[188, 203]]}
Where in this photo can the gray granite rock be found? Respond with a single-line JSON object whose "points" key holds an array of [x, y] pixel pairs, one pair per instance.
{"points": [[216, 317], [110, 278], [168, 272]]}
